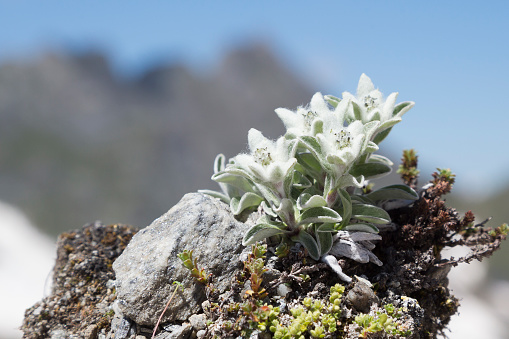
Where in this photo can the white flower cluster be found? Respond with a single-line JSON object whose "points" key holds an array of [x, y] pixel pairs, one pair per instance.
{"points": [[309, 182]]}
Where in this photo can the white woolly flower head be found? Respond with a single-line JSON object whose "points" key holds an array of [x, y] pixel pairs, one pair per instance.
{"points": [[370, 105], [269, 161], [343, 146], [309, 182], [307, 120]]}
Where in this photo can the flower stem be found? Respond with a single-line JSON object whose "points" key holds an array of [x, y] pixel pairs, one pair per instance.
{"points": [[164, 311]]}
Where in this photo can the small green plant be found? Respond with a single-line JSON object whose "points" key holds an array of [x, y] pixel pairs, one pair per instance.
{"points": [[313, 318], [381, 322], [187, 260], [312, 183], [408, 168], [501, 230], [255, 267]]}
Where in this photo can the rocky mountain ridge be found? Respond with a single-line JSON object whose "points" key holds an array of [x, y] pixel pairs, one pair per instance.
{"points": [[78, 140]]}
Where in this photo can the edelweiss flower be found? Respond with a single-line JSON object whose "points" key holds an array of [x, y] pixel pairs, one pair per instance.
{"points": [[342, 146], [269, 162], [302, 121], [370, 105]]}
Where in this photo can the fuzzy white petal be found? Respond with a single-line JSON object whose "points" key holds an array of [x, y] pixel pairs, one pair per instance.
{"points": [[388, 107], [256, 139], [318, 103], [365, 86]]}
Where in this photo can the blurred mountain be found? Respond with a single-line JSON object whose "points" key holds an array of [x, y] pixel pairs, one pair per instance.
{"points": [[78, 143]]}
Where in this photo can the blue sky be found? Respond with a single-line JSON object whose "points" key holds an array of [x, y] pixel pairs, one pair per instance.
{"points": [[450, 57]]}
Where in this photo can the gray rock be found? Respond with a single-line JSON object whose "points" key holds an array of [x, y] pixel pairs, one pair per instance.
{"points": [[198, 321], [59, 334], [361, 296], [91, 332], [283, 290], [124, 328], [149, 265], [63, 334], [177, 332]]}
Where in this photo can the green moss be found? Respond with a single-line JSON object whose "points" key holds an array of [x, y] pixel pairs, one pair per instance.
{"points": [[314, 318], [381, 322]]}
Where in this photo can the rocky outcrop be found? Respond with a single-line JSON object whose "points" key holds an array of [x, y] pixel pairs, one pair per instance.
{"points": [[148, 267], [406, 297], [82, 292]]}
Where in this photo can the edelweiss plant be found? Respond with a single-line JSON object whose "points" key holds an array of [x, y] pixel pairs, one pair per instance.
{"points": [[311, 182]]}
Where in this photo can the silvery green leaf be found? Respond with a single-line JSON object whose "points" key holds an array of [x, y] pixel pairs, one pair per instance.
{"points": [[215, 194], [364, 236], [309, 243], [228, 189], [370, 128], [259, 232], [285, 211], [371, 147], [393, 192], [389, 205], [388, 124], [333, 264], [326, 228], [375, 116], [317, 127], [349, 180], [402, 108], [319, 214], [332, 100], [268, 210], [362, 199], [301, 181], [349, 249], [288, 183], [310, 164], [377, 158], [313, 190], [219, 163], [346, 206], [362, 228], [374, 259], [265, 219], [249, 199], [370, 213], [312, 145], [357, 112], [355, 251], [324, 240], [231, 177], [268, 194], [329, 187], [307, 200], [336, 160], [368, 244], [381, 136], [370, 170]]}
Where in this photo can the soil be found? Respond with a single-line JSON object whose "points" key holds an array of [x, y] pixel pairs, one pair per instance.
{"points": [[81, 293]]}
